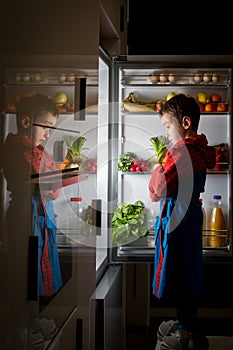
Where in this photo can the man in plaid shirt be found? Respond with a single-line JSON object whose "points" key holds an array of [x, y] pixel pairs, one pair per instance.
{"points": [[177, 184]]}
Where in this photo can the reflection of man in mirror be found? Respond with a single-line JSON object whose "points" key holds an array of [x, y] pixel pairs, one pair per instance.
{"points": [[31, 209]]}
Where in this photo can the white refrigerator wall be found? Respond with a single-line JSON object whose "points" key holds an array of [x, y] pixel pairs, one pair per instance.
{"points": [[136, 128]]}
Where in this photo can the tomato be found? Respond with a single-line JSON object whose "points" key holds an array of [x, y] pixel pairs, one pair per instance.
{"points": [[132, 168], [138, 169], [144, 166], [88, 165], [220, 150]]}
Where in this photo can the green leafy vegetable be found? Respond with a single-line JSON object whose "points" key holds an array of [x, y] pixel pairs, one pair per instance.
{"points": [[125, 160], [129, 221], [160, 145], [75, 148], [86, 229]]}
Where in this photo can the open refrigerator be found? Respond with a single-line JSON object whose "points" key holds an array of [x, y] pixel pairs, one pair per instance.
{"points": [[143, 83], [89, 310]]}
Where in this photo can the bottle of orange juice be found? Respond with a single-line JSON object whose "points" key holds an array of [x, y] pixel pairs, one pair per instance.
{"points": [[204, 236], [217, 224]]}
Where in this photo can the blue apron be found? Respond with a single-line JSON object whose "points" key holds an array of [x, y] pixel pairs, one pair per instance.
{"points": [[38, 225]]}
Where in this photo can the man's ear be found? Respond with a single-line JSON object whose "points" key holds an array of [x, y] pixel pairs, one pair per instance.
{"points": [[25, 122]]}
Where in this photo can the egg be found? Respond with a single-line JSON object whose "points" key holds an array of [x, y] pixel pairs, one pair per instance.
{"points": [[62, 78], [152, 78], [26, 78], [38, 77], [18, 77], [206, 78], [171, 78], [191, 79], [215, 78], [71, 78], [163, 78], [197, 78]]}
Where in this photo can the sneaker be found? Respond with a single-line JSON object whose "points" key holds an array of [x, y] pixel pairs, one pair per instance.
{"points": [[46, 327], [166, 328], [179, 340], [36, 340]]}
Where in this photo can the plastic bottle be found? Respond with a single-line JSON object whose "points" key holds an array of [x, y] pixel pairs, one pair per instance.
{"points": [[205, 239], [77, 206], [77, 212], [217, 224]]}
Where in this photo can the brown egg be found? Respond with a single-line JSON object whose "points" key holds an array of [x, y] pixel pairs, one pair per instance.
{"points": [[163, 78], [152, 78]]}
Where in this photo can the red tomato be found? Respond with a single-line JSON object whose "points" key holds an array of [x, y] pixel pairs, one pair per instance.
{"points": [[138, 169], [144, 166], [88, 164], [132, 168]]}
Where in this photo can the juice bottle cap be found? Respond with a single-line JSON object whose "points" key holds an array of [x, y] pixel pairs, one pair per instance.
{"points": [[76, 199], [217, 196]]}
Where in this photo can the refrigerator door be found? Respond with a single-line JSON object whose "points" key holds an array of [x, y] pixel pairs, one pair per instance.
{"points": [[29, 318], [107, 327], [144, 82]]}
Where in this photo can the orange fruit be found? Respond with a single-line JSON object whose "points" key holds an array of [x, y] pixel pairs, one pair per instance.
{"points": [[222, 107], [209, 107]]}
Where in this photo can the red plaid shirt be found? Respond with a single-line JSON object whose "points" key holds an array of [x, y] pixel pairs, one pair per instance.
{"points": [[21, 159], [185, 157]]}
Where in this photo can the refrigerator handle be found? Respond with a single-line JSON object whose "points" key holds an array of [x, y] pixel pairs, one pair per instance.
{"points": [[33, 268], [80, 99], [96, 216]]}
